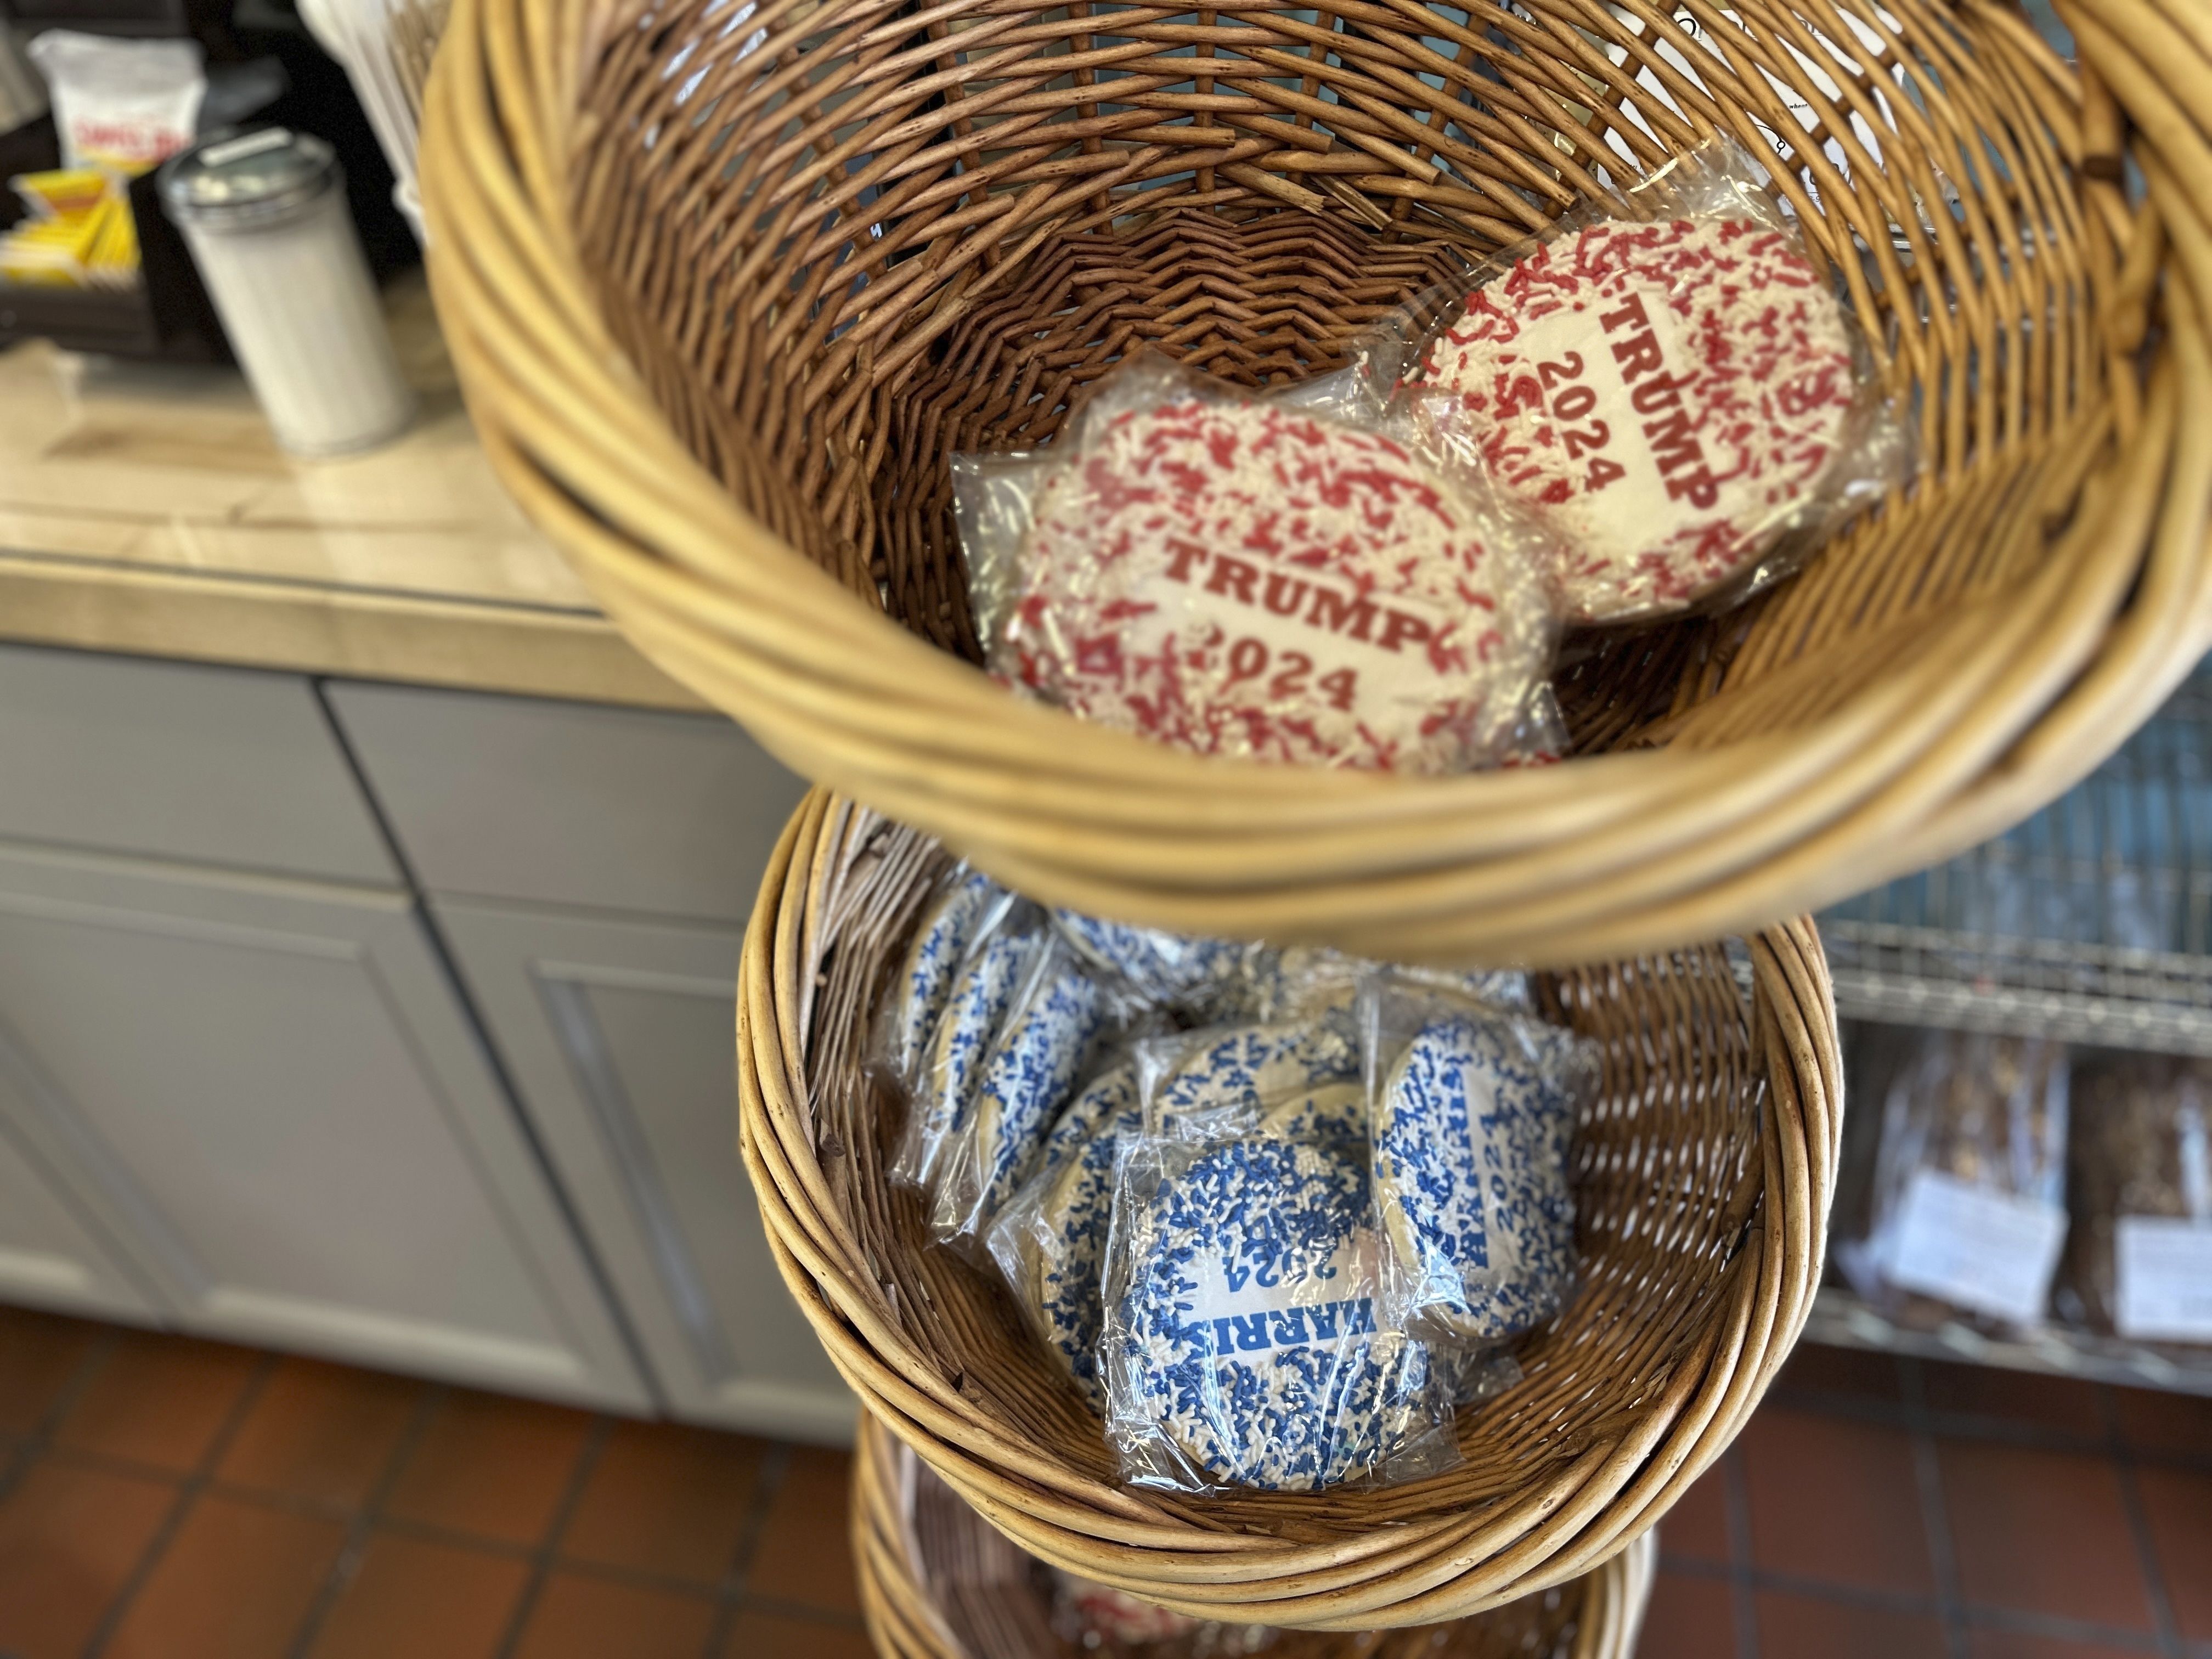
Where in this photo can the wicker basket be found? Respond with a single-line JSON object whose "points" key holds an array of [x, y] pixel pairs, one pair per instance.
{"points": [[936, 1583], [726, 287], [1702, 1183]]}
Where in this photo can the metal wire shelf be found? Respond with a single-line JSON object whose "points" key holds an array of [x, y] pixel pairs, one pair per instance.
{"points": [[2091, 921]]}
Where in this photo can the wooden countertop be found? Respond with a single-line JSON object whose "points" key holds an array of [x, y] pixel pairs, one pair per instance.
{"points": [[145, 508]]}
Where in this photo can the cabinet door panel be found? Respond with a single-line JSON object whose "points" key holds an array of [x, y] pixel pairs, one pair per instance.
{"points": [[217, 766], [272, 1088], [621, 1037], [562, 803], [48, 1255]]}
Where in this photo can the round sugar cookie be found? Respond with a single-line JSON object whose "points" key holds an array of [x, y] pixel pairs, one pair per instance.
{"points": [[1471, 1180], [933, 964], [1179, 970], [1254, 1066], [1665, 397], [1246, 1348], [1242, 579], [1055, 1233], [1045, 1044], [974, 1011]]}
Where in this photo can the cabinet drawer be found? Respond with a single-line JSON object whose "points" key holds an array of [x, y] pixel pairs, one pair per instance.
{"points": [[571, 804], [208, 766]]}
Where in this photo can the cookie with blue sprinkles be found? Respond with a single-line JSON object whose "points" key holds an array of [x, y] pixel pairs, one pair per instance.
{"points": [[1045, 1045], [1470, 1151], [1254, 1066], [1050, 1241], [960, 1046], [947, 932], [1178, 970], [1246, 1349]]}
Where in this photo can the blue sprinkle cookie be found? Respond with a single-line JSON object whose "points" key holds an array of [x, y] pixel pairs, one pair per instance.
{"points": [[1257, 1065], [1050, 1242], [1174, 968], [1246, 1349], [947, 932], [1470, 1161], [960, 1046], [1047, 1042], [1334, 1112]]}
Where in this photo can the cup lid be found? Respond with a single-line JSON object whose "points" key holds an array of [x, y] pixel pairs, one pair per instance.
{"points": [[238, 177]]}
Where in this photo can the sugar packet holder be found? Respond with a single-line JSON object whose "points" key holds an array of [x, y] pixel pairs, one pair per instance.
{"points": [[1471, 1112], [1256, 576], [1666, 381], [1245, 1343]]}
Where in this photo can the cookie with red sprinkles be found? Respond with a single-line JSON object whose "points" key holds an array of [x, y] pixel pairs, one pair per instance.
{"points": [[1666, 398], [1237, 578]]}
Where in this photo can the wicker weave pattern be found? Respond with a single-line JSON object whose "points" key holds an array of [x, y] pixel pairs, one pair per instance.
{"points": [[901, 1522], [1702, 1186], [703, 263]]}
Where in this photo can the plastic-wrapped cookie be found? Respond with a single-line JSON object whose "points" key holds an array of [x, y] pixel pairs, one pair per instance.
{"points": [[1252, 1066], [1236, 577], [1043, 1046], [1334, 1113], [1470, 1161], [1050, 1241], [948, 930], [1664, 397], [1245, 1349], [1177, 969], [961, 1045]]}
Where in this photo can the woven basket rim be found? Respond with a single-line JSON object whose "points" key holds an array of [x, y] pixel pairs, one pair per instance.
{"points": [[904, 1622], [1426, 1566], [1767, 802]]}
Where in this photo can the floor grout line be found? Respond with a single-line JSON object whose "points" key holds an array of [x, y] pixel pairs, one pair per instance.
{"points": [[775, 1464], [1743, 1606], [2124, 1470], [362, 1526], [1935, 1514], [543, 1558], [188, 1493], [40, 1441]]}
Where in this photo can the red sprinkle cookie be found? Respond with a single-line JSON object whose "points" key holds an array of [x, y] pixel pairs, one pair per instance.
{"points": [[1239, 579], [1663, 396]]}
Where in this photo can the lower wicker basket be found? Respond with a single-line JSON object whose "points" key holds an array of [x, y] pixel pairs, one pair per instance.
{"points": [[1702, 1181], [936, 1583]]}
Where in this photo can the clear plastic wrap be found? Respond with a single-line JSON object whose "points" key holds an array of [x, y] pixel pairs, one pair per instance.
{"points": [[1000, 959], [1058, 1023], [1665, 382], [1969, 1203], [2138, 1260], [1190, 975], [965, 906], [1238, 574], [1246, 1343], [1473, 1112], [1097, 1619]]}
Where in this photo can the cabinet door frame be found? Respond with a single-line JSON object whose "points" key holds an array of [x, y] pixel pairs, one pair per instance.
{"points": [[382, 929], [531, 969]]}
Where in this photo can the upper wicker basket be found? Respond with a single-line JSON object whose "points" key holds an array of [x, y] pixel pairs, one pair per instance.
{"points": [[726, 280]]}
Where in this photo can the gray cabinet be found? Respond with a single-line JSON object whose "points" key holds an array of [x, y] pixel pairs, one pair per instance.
{"points": [[50, 1256], [268, 1090], [619, 1036]]}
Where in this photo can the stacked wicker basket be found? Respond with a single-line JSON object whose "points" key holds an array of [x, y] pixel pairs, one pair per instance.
{"points": [[936, 1583], [727, 283]]}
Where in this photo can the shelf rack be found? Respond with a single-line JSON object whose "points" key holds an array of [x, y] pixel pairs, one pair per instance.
{"points": [[2091, 921]]}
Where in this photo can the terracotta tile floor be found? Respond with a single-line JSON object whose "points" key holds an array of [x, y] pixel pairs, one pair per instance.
{"points": [[163, 1498], [1894, 1510]]}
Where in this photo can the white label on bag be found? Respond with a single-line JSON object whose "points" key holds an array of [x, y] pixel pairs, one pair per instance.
{"points": [[1990, 1252], [2163, 1267]]}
